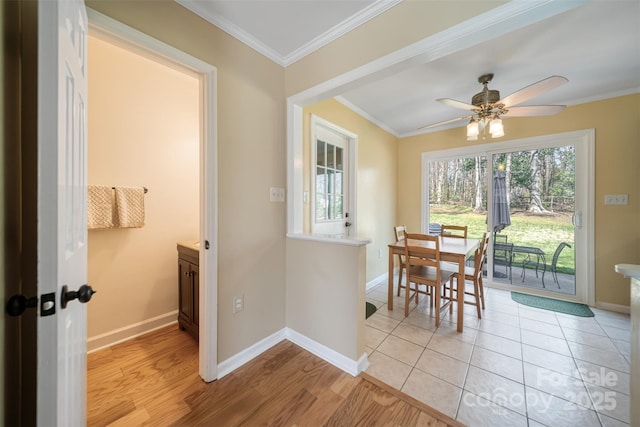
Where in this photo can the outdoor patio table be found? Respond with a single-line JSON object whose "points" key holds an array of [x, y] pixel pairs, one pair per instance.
{"points": [[528, 251], [452, 249]]}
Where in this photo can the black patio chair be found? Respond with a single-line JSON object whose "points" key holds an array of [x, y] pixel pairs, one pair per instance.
{"points": [[554, 262], [435, 228], [502, 254]]}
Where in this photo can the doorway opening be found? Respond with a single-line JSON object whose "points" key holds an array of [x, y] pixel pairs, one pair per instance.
{"points": [[142, 132], [206, 167], [535, 199]]}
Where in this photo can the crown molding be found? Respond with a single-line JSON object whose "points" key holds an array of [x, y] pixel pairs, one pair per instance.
{"points": [[370, 12], [233, 30], [366, 115], [353, 22]]}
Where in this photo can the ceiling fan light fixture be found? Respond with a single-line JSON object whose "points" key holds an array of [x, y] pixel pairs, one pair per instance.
{"points": [[472, 130], [495, 128], [488, 107]]}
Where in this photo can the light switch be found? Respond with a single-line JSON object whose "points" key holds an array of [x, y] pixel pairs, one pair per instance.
{"points": [[616, 199], [238, 303]]}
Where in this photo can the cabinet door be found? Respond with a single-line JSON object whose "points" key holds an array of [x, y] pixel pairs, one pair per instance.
{"points": [[195, 281], [185, 294]]}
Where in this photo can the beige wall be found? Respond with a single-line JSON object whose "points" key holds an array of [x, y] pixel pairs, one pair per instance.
{"points": [[376, 179], [143, 131], [617, 228], [326, 300], [251, 158]]}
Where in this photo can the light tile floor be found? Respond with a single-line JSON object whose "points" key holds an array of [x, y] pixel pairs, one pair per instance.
{"points": [[517, 366]]}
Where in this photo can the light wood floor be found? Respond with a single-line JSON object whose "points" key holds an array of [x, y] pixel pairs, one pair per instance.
{"points": [[153, 380]]}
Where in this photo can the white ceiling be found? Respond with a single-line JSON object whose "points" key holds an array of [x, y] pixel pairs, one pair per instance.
{"points": [[595, 45]]}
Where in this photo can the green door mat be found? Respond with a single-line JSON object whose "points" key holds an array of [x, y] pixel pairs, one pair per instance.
{"points": [[573, 308], [370, 309]]}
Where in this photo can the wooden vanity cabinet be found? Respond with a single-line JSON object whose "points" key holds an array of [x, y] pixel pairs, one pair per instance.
{"points": [[188, 288]]}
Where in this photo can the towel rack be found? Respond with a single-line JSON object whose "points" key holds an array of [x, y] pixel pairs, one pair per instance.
{"points": [[145, 189]]}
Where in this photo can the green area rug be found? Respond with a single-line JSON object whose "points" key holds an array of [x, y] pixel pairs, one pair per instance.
{"points": [[573, 308], [370, 309]]}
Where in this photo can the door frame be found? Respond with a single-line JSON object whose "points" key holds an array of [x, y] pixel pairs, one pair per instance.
{"points": [[134, 40], [352, 153], [20, 205], [584, 193]]}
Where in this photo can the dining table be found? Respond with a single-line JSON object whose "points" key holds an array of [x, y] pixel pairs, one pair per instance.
{"points": [[452, 249]]}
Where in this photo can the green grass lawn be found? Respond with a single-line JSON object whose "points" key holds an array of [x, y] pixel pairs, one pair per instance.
{"points": [[544, 231]]}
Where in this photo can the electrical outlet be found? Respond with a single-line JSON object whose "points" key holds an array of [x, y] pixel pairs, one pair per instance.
{"points": [[379, 253], [276, 194], [238, 303], [616, 199]]}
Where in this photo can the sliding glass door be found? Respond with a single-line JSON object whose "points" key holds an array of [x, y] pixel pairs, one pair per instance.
{"points": [[533, 204], [534, 198]]}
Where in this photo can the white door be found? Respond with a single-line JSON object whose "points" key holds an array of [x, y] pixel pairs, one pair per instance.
{"points": [[330, 177], [62, 216]]}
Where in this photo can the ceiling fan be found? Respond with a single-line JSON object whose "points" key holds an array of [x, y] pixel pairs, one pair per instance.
{"points": [[487, 108]]}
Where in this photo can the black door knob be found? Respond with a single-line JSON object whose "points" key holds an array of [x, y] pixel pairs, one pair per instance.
{"points": [[17, 304], [83, 294]]}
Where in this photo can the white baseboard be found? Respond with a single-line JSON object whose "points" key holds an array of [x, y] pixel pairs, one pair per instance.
{"points": [[131, 331], [349, 366], [377, 280], [352, 367], [234, 362], [613, 307], [363, 362]]}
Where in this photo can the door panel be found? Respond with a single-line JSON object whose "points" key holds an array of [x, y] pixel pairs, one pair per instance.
{"points": [[330, 213], [185, 295], [62, 215], [195, 279], [541, 200]]}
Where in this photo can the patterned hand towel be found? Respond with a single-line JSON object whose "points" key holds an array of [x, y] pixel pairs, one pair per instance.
{"points": [[100, 207], [130, 207]]}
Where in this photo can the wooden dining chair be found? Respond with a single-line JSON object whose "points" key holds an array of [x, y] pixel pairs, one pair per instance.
{"points": [[474, 275], [454, 231], [399, 230], [422, 266], [458, 231]]}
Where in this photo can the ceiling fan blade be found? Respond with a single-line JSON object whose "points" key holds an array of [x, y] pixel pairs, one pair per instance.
{"points": [[457, 104], [457, 119], [534, 110], [532, 90]]}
